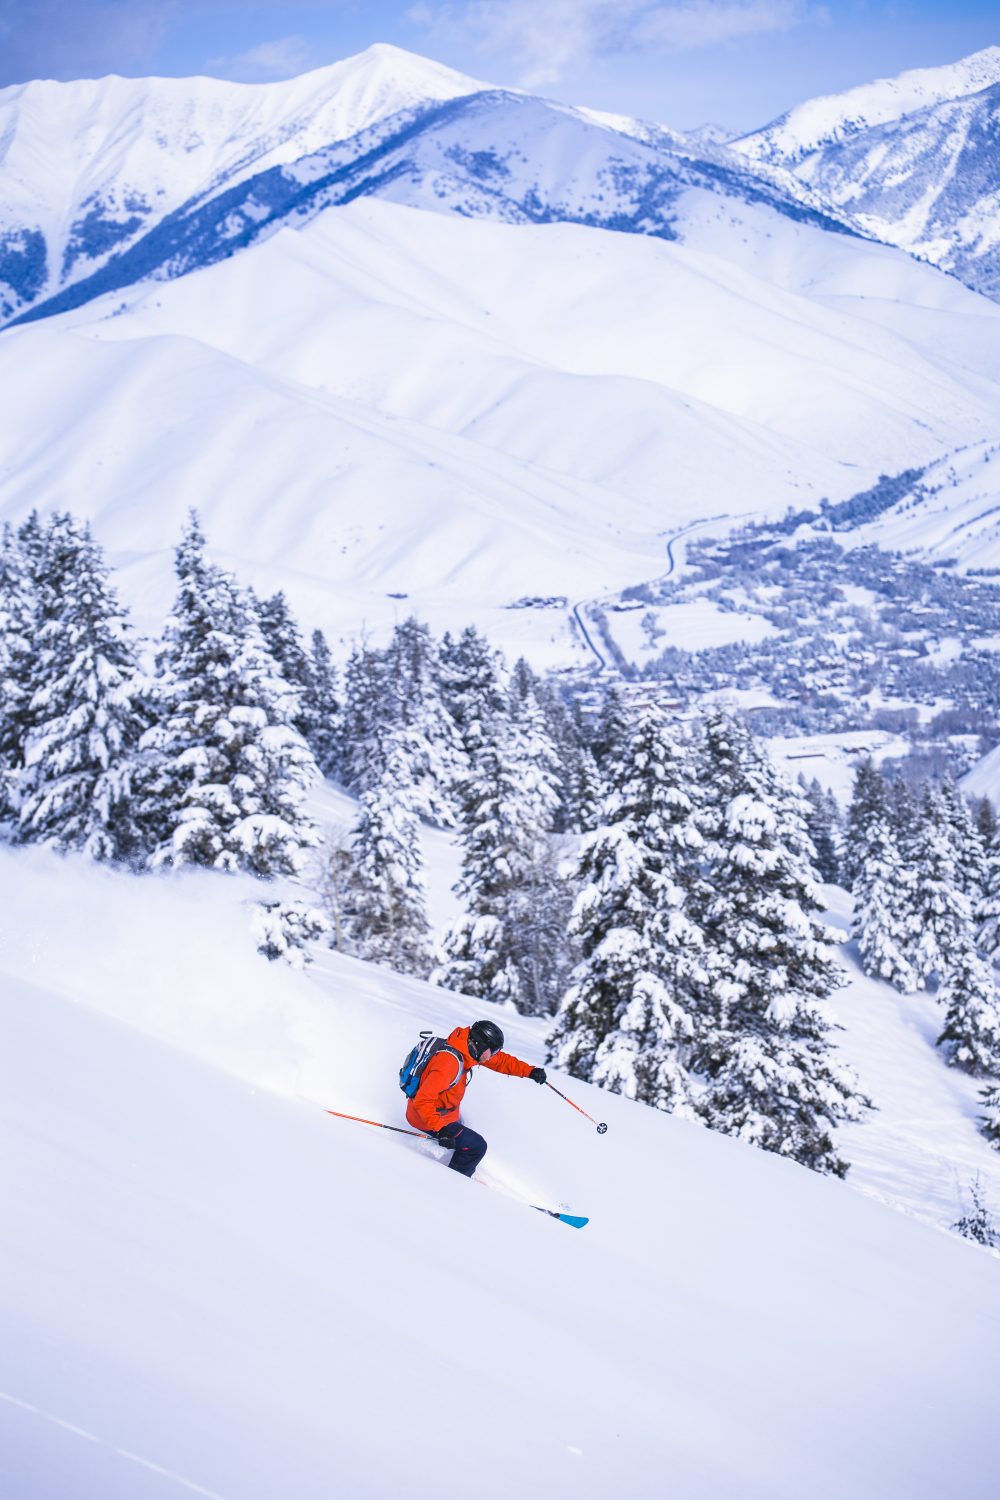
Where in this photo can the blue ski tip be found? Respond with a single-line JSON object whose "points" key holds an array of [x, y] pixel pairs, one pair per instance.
{"points": [[573, 1219]]}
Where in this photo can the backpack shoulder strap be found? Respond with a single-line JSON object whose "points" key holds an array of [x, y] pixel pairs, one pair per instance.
{"points": [[459, 1059]]}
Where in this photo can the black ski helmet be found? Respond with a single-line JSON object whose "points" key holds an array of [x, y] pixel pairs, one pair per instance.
{"points": [[484, 1036]]}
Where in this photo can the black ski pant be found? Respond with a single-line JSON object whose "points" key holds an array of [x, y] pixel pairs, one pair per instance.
{"points": [[469, 1151]]}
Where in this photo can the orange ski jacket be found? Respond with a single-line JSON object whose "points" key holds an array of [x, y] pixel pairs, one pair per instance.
{"points": [[438, 1100]]}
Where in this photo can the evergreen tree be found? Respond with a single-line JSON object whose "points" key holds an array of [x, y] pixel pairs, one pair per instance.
{"points": [[32, 541], [82, 723], [283, 641], [904, 808], [990, 1118], [941, 912], [284, 929], [584, 793], [541, 762], [626, 1022], [364, 723], [612, 729], [321, 708], [539, 917], [821, 827], [772, 1078], [971, 1033], [386, 899], [434, 749], [502, 844], [883, 908], [987, 914], [17, 655], [470, 676], [970, 854], [869, 800], [223, 772], [986, 822]]}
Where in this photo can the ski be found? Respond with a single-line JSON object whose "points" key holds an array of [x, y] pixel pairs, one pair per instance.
{"points": [[574, 1220]]}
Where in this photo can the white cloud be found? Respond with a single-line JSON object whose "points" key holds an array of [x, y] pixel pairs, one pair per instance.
{"points": [[284, 57], [705, 23], [546, 38]]}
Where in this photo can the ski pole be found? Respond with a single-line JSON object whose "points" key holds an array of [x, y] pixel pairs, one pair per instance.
{"points": [[601, 1129], [359, 1120]]}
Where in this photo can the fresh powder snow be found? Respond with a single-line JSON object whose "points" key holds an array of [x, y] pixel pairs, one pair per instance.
{"points": [[210, 1286]]}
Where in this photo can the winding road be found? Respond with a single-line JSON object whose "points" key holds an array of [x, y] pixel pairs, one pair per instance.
{"points": [[583, 604]]}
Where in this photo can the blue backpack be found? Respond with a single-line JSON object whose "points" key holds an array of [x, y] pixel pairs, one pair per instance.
{"points": [[419, 1056]]}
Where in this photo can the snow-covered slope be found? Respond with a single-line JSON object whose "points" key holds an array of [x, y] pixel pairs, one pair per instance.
{"points": [[207, 1285], [390, 402], [89, 168], [951, 515], [913, 161]]}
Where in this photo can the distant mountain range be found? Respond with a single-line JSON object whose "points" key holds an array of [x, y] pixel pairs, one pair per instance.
{"points": [[913, 161], [110, 182]]}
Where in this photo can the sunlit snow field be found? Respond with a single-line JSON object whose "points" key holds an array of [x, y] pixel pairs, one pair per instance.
{"points": [[207, 1285]]}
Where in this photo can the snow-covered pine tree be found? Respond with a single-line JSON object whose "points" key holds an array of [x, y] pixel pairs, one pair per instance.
{"points": [[821, 825], [541, 760], [321, 707], [284, 929], [82, 722], [222, 771], [970, 854], [987, 913], [612, 728], [433, 744], [990, 1118], [904, 808], [498, 849], [869, 800], [284, 642], [986, 821], [364, 721], [470, 674], [971, 1032], [883, 893], [32, 540], [17, 655], [627, 1021], [941, 911], [385, 895], [539, 913], [773, 1079], [503, 844], [584, 791]]}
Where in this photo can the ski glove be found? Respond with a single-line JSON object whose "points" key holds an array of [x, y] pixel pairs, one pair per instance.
{"points": [[537, 1075], [447, 1138]]}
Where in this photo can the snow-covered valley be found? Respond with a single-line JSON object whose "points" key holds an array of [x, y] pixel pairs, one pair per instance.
{"points": [[394, 403]]}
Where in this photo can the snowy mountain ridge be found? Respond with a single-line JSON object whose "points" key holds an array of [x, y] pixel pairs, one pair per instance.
{"points": [[834, 118], [911, 161], [114, 181], [90, 167], [164, 176]]}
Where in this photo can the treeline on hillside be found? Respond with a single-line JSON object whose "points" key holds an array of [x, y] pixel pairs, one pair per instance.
{"points": [[650, 886], [925, 877]]}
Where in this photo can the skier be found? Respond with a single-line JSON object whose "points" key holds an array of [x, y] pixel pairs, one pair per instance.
{"points": [[436, 1105]]}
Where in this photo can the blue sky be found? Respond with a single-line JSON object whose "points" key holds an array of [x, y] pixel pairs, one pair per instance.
{"points": [[683, 62]]}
